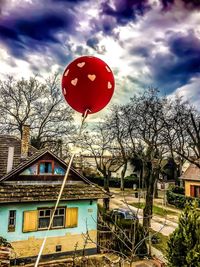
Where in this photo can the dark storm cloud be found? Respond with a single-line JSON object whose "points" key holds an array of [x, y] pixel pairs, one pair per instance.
{"points": [[120, 12], [41, 27], [93, 42], [68, 1], [7, 33], [166, 4], [142, 51], [106, 24], [125, 10], [188, 4], [192, 4], [34, 30], [176, 68]]}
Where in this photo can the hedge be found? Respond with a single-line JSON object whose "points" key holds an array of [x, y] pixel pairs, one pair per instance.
{"points": [[179, 200], [4, 243], [177, 189], [115, 182]]}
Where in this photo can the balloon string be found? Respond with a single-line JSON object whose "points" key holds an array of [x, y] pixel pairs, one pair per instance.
{"points": [[62, 188], [84, 115]]}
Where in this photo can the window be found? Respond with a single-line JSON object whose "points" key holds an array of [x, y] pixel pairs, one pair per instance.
{"points": [[34, 220], [58, 248], [58, 169], [48, 167], [45, 167], [44, 218], [11, 220], [32, 170], [58, 220], [45, 215], [194, 191]]}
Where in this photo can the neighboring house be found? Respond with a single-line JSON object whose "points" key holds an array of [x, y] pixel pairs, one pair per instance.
{"points": [[28, 192], [191, 180], [84, 161], [168, 174]]}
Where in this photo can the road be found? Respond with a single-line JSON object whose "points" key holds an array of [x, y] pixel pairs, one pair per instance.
{"points": [[159, 224]]}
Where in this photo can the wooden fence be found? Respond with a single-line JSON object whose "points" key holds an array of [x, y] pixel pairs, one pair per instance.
{"points": [[5, 254]]}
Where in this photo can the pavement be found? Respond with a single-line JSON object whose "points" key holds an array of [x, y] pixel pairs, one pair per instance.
{"points": [[165, 225]]}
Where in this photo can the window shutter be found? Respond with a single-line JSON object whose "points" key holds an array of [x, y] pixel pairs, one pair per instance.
{"points": [[71, 219], [30, 222], [192, 190]]}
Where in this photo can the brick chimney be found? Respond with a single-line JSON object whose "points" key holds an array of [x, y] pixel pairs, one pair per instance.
{"points": [[25, 141]]}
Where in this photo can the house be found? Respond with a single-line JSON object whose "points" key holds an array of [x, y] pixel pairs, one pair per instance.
{"points": [[168, 174], [30, 181], [191, 181], [86, 162]]}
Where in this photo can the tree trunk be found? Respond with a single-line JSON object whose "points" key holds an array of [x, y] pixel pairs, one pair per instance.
{"points": [[155, 189], [147, 212], [157, 172], [106, 183], [106, 201], [123, 172], [141, 183]]}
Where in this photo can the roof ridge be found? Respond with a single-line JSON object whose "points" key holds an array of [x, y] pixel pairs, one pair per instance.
{"points": [[34, 157]]}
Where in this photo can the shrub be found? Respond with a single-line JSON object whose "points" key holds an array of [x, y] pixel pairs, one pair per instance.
{"points": [[124, 239], [184, 243], [177, 189], [4, 242], [129, 181], [179, 200]]}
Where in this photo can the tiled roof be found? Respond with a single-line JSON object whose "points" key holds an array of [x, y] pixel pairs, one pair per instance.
{"points": [[23, 164], [25, 192], [191, 173], [7, 141], [12, 193]]}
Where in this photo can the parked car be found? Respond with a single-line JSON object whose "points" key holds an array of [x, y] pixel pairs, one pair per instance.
{"points": [[123, 213]]}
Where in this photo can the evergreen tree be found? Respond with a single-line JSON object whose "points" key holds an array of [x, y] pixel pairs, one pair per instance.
{"points": [[184, 243]]}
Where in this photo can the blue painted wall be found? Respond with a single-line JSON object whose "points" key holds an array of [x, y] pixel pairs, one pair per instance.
{"points": [[87, 219]]}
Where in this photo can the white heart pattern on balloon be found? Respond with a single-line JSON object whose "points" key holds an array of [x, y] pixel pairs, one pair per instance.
{"points": [[108, 69], [109, 85], [92, 77], [66, 72], [74, 82], [81, 64]]}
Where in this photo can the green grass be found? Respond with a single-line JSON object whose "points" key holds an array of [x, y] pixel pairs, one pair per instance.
{"points": [[162, 244], [156, 209]]}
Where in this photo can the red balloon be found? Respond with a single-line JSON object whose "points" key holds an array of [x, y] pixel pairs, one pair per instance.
{"points": [[88, 84]]}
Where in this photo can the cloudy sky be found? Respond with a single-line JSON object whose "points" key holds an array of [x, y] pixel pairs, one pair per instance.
{"points": [[145, 42]]}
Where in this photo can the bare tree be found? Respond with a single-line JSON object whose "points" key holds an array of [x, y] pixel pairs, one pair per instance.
{"points": [[102, 147], [183, 131], [115, 125], [37, 104], [145, 123]]}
